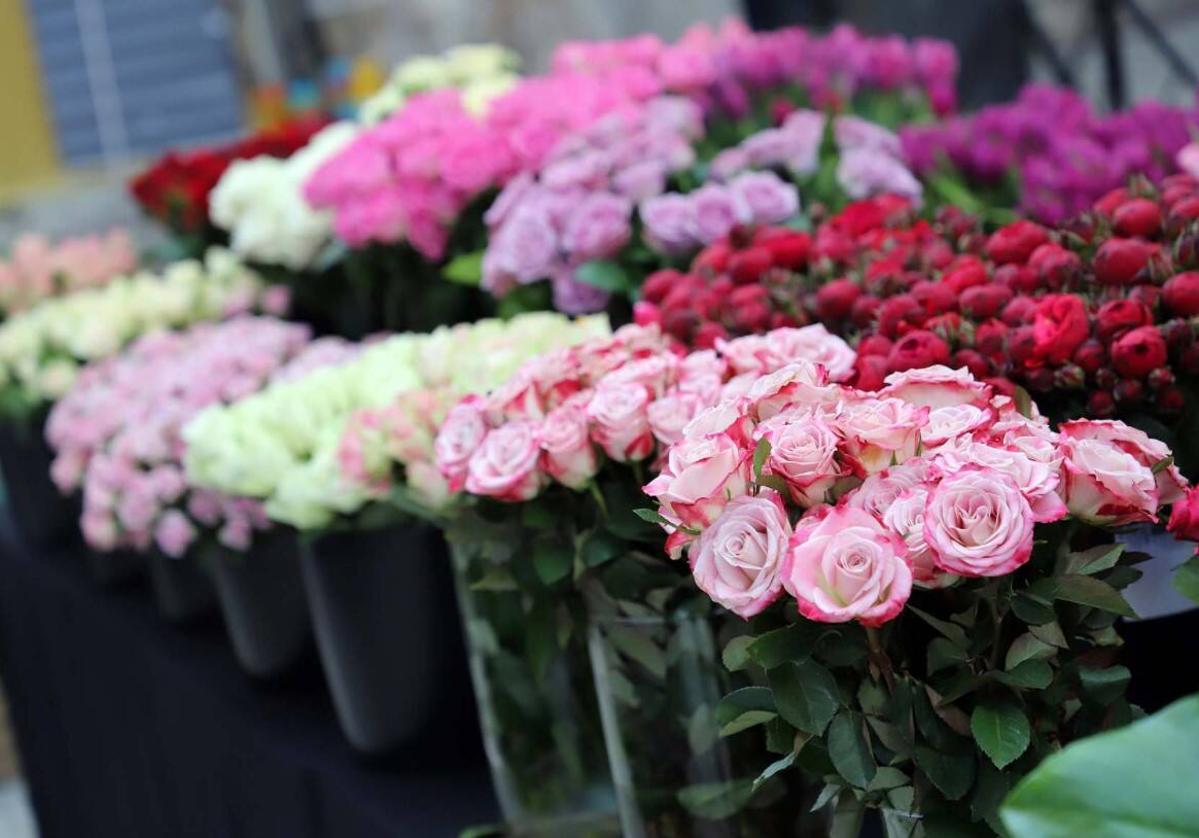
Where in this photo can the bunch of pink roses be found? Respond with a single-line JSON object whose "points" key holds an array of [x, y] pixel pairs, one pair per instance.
{"points": [[37, 269], [845, 499], [621, 399], [117, 433]]}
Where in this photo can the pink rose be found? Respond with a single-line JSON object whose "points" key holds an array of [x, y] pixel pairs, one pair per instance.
{"points": [[506, 465], [1038, 480], [736, 560], [668, 221], [803, 452], [905, 515], [598, 227], [843, 565], [514, 400], [768, 198], [716, 211], [879, 491], [798, 384], [936, 386], [655, 373], [947, 423], [569, 457], [620, 421], [1105, 485], [816, 345], [460, 436], [701, 475], [669, 415], [99, 530], [977, 523], [878, 433], [174, 533], [1171, 485], [727, 418], [428, 483], [702, 363]]}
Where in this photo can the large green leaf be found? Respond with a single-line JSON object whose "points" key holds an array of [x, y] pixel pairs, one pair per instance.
{"points": [[744, 708], [1001, 729], [951, 773], [718, 800], [849, 751], [1135, 782], [1186, 579], [609, 276], [805, 694], [790, 644], [466, 269], [1087, 590]]}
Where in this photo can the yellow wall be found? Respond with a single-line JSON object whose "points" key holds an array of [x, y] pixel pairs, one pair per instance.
{"points": [[27, 151]]}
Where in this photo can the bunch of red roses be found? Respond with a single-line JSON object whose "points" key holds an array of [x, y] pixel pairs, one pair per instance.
{"points": [[174, 189], [1102, 309]]}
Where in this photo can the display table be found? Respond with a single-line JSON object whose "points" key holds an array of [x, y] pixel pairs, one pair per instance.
{"points": [[131, 728]]}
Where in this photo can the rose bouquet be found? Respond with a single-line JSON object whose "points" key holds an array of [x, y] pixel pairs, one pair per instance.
{"points": [[1047, 154], [117, 432], [929, 573], [42, 349], [480, 71], [37, 269], [285, 445], [175, 189]]}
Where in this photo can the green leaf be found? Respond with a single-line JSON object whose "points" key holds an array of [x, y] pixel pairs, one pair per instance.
{"points": [[552, 560], [943, 654], [1186, 579], [1087, 590], [466, 269], [791, 644], [735, 656], [805, 694], [1104, 685], [773, 481], [1032, 610], [1135, 782], [952, 774], [638, 646], [954, 633], [1095, 560], [1032, 674], [1162, 464], [761, 453], [496, 579], [609, 276], [1050, 633], [652, 516], [887, 778], [601, 547], [849, 750], [775, 767], [1001, 729], [743, 709], [1026, 647], [715, 801], [701, 729]]}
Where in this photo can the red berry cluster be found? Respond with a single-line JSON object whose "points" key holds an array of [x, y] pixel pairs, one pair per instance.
{"points": [[1104, 305]]}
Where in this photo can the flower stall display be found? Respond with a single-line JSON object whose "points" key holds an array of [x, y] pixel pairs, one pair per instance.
{"points": [[37, 269], [42, 349], [1047, 153], [930, 576], [480, 71], [175, 189], [545, 533]]}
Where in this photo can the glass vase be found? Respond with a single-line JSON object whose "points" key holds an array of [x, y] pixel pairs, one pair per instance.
{"points": [[659, 679], [536, 699]]}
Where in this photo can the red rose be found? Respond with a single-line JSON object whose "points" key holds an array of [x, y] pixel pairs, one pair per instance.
{"points": [[1016, 241], [1001, 385], [917, 350], [1171, 400], [1129, 391], [1182, 213], [707, 335], [1146, 294], [869, 371], [1054, 265], [712, 259], [936, 254], [1020, 278], [788, 248], [989, 337], [680, 323], [984, 301], [835, 299], [1139, 352], [1118, 316], [1181, 293], [658, 284], [646, 313], [1184, 517], [947, 325], [935, 297], [899, 315], [964, 272], [979, 366], [875, 345], [783, 320], [1137, 217], [1060, 326], [1090, 356], [748, 265], [1019, 310], [865, 310], [1100, 404], [1108, 203], [1118, 261]]}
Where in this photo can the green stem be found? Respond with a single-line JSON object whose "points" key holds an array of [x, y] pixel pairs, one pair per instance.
{"points": [[599, 498], [996, 633], [880, 658]]}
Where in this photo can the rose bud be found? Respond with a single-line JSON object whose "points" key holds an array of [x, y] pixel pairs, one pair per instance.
{"points": [[1060, 327], [979, 366], [949, 326], [1019, 311], [646, 313], [713, 259], [964, 272], [935, 297], [1002, 386], [1040, 380], [788, 248], [1022, 345], [1079, 230], [746, 266], [917, 350], [974, 242], [707, 335], [1016, 241], [1054, 265], [1106, 378], [936, 254], [1108, 203], [1186, 250], [983, 301], [907, 280], [1139, 352], [1170, 400], [875, 345], [898, 315], [869, 371], [1161, 378], [658, 284], [752, 317], [1090, 356], [834, 300], [1146, 294], [1181, 293], [1129, 391], [1178, 333], [1137, 217], [1118, 316], [990, 337], [1118, 261], [865, 310], [1182, 213], [680, 322], [1022, 279], [783, 320], [1100, 404], [1069, 377]]}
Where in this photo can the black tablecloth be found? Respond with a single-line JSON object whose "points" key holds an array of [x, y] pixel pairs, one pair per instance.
{"points": [[131, 728]]}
